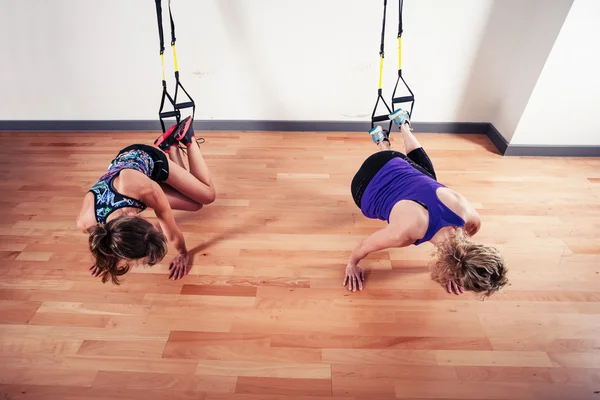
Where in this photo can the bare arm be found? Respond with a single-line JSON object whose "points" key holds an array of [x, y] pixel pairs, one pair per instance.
{"points": [[156, 199], [390, 236], [135, 184], [473, 221]]}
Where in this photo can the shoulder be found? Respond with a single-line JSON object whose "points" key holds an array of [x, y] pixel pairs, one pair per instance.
{"points": [[409, 219], [133, 183], [461, 207], [454, 201]]}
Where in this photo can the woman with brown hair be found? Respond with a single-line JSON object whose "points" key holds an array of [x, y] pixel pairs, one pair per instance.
{"points": [[142, 176], [403, 190]]}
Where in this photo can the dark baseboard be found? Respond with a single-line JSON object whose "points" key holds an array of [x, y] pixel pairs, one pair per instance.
{"points": [[451, 127], [281, 126], [79, 125], [497, 139], [485, 128], [235, 125], [517, 150], [552, 151]]}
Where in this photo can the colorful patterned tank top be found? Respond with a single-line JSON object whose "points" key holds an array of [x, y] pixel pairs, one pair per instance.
{"points": [[107, 199]]}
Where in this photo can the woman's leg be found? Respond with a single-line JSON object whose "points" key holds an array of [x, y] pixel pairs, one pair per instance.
{"points": [[384, 145], [196, 184], [410, 141], [370, 167], [198, 166], [183, 190], [178, 201], [415, 151], [175, 156]]}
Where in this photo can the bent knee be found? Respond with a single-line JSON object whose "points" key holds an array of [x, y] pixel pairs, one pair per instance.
{"points": [[210, 199], [195, 207]]}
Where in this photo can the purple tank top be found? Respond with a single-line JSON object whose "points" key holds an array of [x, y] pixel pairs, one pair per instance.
{"points": [[397, 181]]}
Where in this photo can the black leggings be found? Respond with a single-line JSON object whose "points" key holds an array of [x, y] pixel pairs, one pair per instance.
{"points": [[160, 173], [417, 158]]}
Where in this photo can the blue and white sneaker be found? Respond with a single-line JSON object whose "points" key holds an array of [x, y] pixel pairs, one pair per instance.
{"points": [[400, 117], [378, 134]]}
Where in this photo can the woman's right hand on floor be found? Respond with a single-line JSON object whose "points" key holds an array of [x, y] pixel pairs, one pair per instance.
{"points": [[179, 267], [355, 276], [454, 288]]}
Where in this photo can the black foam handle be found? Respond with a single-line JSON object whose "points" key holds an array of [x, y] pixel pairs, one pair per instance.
{"points": [[381, 118], [169, 114], [187, 104], [403, 99]]}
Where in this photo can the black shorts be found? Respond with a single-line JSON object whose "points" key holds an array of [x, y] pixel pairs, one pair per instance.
{"points": [[160, 172], [417, 158]]}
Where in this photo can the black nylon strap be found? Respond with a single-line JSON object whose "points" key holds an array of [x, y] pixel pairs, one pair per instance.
{"points": [[381, 47], [172, 25], [400, 6], [381, 118], [160, 26]]}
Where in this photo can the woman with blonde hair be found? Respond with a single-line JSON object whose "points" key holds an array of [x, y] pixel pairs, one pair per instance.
{"points": [[403, 190]]}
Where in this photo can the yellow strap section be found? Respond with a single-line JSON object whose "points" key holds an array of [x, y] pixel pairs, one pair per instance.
{"points": [[399, 52], [380, 72], [175, 58], [162, 63]]}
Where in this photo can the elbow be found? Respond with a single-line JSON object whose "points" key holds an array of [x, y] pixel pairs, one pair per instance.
{"points": [[361, 250], [194, 207], [472, 227], [81, 226]]}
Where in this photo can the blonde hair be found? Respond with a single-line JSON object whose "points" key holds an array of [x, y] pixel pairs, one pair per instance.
{"points": [[476, 267]]}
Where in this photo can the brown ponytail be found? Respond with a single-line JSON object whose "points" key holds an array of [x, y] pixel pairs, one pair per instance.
{"points": [[122, 240]]}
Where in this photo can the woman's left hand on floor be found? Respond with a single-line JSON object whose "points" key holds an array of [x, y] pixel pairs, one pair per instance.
{"points": [[95, 271], [355, 276], [179, 267]]}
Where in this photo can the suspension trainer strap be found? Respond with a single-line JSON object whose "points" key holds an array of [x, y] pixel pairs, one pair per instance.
{"points": [[185, 104], [400, 30], [382, 46], [160, 27], [165, 95], [161, 38], [383, 117], [407, 98], [173, 40], [172, 25]]}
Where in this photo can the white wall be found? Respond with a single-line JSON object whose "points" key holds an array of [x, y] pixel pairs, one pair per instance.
{"points": [[258, 59], [568, 90], [513, 51]]}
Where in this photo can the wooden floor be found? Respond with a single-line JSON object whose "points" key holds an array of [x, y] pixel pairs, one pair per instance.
{"points": [[263, 315]]}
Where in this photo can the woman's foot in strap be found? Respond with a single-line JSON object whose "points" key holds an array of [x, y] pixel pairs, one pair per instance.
{"points": [[400, 117], [167, 139], [185, 133], [378, 134]]}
